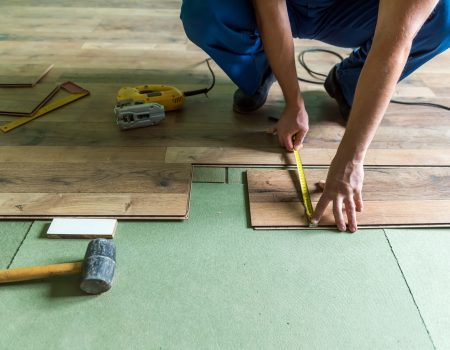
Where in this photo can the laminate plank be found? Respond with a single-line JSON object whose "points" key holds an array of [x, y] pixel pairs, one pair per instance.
{"points": [[113, 189], [412, 196], [25, 75], [310, 156], [80, 154], [96, 125], [99, 5], [120, 177], [115, 205]]}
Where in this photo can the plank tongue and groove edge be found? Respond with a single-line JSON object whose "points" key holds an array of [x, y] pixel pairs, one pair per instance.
{"points": [[392, 197]]}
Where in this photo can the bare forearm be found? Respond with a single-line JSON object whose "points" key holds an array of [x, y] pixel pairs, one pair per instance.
{"points": [[274, 27], [375, 88], [398, 23]]}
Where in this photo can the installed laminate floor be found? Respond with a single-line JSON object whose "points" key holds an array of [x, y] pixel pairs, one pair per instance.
{"points": [[103, 46]]}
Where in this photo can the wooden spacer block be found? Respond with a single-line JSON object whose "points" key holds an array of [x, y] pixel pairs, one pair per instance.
{"points": [[82, 228]]}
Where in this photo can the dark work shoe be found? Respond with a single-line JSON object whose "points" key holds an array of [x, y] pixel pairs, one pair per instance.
{"points": [[243, 103], [333, 89]]}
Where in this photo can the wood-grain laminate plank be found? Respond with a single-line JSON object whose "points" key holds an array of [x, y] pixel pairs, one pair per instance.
{"points": [[80, 154], [310, 156], [120, 177], [119, 205], [22, 75], [392, 196], [122, 189]]}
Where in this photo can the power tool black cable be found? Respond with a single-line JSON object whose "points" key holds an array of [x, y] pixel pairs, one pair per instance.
{"points": [[319, 76], [320, 79], [205, 90]]}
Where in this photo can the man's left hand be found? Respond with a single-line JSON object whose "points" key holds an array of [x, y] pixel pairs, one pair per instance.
{"points": [[343, 187]]}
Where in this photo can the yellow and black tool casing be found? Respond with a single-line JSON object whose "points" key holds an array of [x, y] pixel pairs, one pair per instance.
{"points": [[168, 96]]}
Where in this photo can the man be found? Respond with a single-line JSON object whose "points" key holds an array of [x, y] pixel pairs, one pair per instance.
{"points": [[393, 38]]}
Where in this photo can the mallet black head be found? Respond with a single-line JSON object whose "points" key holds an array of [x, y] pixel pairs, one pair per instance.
{"points": [[98, 266]]}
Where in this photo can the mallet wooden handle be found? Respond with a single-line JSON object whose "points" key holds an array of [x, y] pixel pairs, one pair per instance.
{"points": [[38, 272]]}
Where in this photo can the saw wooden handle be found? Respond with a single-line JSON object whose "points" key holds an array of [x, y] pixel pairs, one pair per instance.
{"points": [[38, 272]]}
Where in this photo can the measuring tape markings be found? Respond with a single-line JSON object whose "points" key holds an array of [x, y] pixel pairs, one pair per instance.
{"points": [[304, 189]]}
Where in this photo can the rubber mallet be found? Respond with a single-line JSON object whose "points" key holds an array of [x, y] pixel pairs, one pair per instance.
{"points": [[97, 268]]}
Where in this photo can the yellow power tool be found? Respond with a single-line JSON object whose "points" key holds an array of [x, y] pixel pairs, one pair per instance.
{"points": [[145, 105], [168, 96]]}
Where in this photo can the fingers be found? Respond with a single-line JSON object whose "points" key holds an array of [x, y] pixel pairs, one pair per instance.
{"points": [[338, 212], [286, 142], [320, 209], [287, 138], [359, 202], [295, 141], [338, 215], [350, 210]]}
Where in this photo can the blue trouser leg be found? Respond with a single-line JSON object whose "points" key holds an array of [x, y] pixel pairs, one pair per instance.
{"points": [[226, 30], [359, 17]]}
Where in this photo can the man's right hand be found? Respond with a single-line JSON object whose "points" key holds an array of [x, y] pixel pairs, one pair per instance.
{"points": [[292, 127]]}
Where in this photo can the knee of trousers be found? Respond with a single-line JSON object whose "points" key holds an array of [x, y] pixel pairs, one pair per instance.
{"points": [[198, 16]]}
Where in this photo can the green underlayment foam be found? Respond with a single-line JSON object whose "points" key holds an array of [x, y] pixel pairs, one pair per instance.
{"points": [[11, 235], [214, 283], [424, 256]]}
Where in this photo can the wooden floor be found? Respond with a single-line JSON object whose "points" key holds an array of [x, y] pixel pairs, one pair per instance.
{"points": [[75, 161], [393, 197]]}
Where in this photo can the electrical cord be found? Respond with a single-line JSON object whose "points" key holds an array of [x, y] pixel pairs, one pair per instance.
{"points": [[320, 77], [205, 90], [316, 75]]}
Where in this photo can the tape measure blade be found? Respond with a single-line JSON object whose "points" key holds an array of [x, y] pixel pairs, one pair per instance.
{"points": [[304, 187]]}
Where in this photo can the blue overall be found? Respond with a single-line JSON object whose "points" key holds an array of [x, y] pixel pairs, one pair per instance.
{"points": [[226, 30]]}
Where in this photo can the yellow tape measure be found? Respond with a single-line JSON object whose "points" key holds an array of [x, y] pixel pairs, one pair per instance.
{"points": [[76, 93], [304, 188]]}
